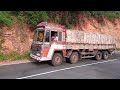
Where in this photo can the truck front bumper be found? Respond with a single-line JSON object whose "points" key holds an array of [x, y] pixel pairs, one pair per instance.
{"points": [[39, 58]]}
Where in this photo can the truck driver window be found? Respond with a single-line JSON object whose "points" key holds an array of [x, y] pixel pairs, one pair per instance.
{"points": [[47, 38], [54, 36]]}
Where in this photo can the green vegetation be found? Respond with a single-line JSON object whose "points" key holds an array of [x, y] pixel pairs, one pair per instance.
{"points": [[67, 18], [5, 18], [99, 15], [31, 17], [13, 56], [118, 49]]}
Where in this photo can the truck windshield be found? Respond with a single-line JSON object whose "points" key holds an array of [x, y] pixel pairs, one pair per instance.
{"points": [[38, 35]]}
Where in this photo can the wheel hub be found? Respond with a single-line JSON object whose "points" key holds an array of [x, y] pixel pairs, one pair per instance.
{"points": [[74, 58], [57, 60]]}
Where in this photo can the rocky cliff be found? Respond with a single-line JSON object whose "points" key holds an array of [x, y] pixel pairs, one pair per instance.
{"points": [[18, 38]]}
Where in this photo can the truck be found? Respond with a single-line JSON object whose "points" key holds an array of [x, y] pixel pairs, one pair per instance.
{"points": [[71, 45]]}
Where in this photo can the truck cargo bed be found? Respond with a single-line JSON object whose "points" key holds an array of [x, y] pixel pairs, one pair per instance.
{"points": [[88, 40]]}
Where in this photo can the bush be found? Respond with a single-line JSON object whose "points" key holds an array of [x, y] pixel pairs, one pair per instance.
{"points": [[67, 18], [31, 17], [36, 17], [2, 57], [5, 18]]}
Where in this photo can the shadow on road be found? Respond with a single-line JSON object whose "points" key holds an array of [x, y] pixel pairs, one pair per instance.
{"points": [[35, 62], [49, 64]]}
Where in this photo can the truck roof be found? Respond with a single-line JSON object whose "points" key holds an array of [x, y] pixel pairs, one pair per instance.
{"points": [[51, 26]]}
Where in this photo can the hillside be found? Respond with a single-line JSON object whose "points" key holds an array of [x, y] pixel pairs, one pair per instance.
{"points": [[16, 28]]}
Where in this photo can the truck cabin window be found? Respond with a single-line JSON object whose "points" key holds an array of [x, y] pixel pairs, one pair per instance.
{"points": [[35, 36], [47, 37], [54, 36], [39, 35]]}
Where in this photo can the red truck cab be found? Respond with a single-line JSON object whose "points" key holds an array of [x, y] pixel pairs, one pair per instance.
{"points": [[43, 46]]}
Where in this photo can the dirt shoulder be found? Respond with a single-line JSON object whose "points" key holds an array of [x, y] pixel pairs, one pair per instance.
{"points": [[9, 62]]}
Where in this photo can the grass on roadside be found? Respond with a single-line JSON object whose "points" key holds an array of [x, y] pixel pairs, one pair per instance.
{"points": [[13, 56], [118, 49]]}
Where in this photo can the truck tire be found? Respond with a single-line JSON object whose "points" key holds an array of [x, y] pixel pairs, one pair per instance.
{"points": [[105, 55], [74, 58], [98, 56], [57, 59]]}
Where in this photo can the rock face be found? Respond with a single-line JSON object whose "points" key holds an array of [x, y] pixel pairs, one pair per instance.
{"points": [[19, 37]]}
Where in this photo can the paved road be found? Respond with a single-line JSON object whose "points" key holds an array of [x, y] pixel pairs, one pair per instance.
{"points": [[85, 69]]}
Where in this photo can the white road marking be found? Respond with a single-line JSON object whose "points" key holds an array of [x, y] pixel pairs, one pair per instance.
{"points": [[66, 69]]}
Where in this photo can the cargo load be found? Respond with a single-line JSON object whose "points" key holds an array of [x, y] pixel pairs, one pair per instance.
{"points": [[77, 36]]}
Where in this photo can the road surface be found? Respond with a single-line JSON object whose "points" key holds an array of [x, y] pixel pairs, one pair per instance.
{"points": [[84, 69]]}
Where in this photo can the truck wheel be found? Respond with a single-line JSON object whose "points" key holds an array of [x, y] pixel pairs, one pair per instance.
{"points": [[98, 56], [74, 58], [57, 59], [105, 55]]}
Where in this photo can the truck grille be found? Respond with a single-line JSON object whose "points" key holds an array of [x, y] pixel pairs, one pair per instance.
{"points": [[35, 49]]}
